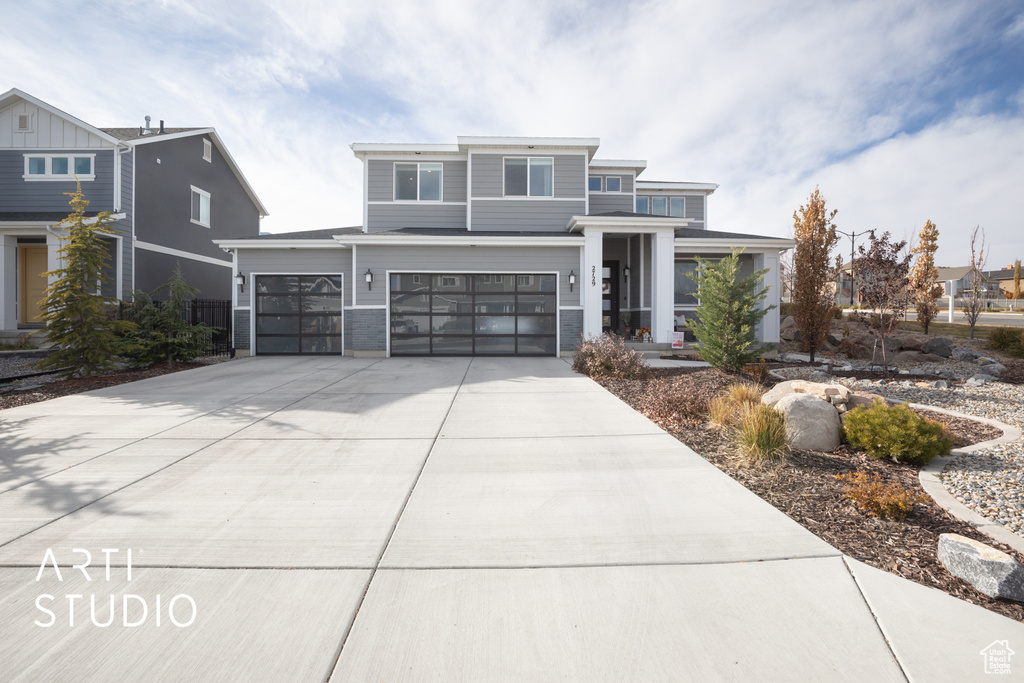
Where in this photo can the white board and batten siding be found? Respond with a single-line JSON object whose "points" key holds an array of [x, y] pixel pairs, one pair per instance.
{"points": [[48, 131], [456, 260]]}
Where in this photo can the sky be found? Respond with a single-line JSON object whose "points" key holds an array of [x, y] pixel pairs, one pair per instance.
{"points": [[899, 111]]}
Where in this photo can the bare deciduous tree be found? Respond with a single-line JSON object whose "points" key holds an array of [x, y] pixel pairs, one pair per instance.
{"points": [[885, 283], [814, 273], [973, 301], [924, 278]]}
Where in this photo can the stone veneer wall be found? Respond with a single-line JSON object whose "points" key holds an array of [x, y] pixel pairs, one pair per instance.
{"points": [[570, 328]]}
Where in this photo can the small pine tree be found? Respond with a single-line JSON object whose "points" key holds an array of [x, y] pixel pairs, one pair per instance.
{"points": [[79, 320], [162, 333], [729, 312], [814, 274], [924, 278]]}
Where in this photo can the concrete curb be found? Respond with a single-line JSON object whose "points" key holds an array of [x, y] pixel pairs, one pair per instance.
{"points": [[932, 484]]}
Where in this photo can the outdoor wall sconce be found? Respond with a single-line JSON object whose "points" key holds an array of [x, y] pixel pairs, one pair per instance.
{"points": [[240, 280], [572, 279], [625, 273], [369, 279]]}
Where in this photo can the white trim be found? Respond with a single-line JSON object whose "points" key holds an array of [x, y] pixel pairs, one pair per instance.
{"points": [[366, 195], [570, 308], [134, 204], [49, 176], [415, 202], [661, 186], [469, 192], [234, 287], [157, 137], [147, 246], [278, 244], [243, 308], [514, 198], [367, 307], [117, 177], [644, 223], [477, 239], [364, 149], [637, 166], [118, 264], [209, 206], [698, 245], [354, 288], [252, 307]]}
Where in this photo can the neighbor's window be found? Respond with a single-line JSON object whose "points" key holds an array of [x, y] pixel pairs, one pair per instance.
{"points": [[686, 286], [594, 183], [613, 184], [641, 205], [677, 207], [418, 182], [59, 167], [200, 207], [529, 177]]}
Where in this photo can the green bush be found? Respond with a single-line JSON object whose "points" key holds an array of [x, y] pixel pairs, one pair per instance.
{"points": [[608, 356], [786, 309], [896, 433], [1009, 340], [761, 433]]}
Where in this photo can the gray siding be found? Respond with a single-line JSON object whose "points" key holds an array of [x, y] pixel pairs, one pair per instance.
{"points": [[524, 214], [128, 209], [462, 260], [570, 324], [423, 215], [627, 180], [289, 261], [695, 209], [603, 203], [153, 270], [381, 179], [18, 194], [570, 174], [164, 173]]}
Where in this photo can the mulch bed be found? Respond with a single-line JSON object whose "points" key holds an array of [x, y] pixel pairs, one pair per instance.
{"points": [[9, 398], [805, 487]]}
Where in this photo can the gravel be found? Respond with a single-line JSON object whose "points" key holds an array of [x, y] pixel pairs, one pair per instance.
{"points": [[988, 481]]}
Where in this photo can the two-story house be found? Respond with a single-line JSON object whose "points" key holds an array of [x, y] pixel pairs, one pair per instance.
{"points": [[172, 191], [492, 245]]}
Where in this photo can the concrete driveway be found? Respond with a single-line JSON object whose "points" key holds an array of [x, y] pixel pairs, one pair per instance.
{"points": [[447, 519]]}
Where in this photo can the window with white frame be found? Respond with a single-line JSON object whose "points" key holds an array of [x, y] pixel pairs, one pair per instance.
{"points": [[594, 183], [613, 183], [529, 176], [418, 181], [642, 205], [686, 293], [60, 166], [200, 207], [659, 206], [207, 150], [677, 207]]}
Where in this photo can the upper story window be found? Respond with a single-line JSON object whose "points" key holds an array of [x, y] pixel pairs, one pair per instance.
{"points": [[659, 206], [529, 176], [207, 150], [200, 207], [418, 182], [642, 205], [677, 207], [613, 183], [594, 183], [59, 167]]}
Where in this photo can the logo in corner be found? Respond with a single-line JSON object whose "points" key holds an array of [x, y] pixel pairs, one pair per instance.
{"points": [[997, 657]]}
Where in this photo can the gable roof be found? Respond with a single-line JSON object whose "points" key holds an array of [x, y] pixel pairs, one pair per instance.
{"points": [[126, 134], [14, 94]]}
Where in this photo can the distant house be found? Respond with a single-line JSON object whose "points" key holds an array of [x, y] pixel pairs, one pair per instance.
{"points": [[172, 192], [1003, 278], [966, 279]]}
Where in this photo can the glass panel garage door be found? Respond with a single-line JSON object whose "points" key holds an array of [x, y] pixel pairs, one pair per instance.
{"points": [[463, 315], [298, 314]]}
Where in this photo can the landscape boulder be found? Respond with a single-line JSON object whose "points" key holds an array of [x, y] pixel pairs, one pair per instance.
{"points": [[863, 400], [788, 322], [911, 344], [992, 369], [940, 346], [811, 423], [992, 572], [979, 379], [965, 354], [824, 392]]}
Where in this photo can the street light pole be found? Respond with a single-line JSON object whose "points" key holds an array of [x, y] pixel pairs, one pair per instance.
{"points": [[853, 236]]}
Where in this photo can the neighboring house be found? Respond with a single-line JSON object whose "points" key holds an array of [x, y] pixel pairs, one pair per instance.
{"points": [[493, 245], [171, 191], [1003, 278], [966, 279], [846, 285]]}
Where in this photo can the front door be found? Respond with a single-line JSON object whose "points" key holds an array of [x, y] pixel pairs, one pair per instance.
{"points": [[32, 263], [610, 297]]}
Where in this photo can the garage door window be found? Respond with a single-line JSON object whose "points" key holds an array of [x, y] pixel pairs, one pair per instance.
{"points": [[298, 314], [453, 314]]}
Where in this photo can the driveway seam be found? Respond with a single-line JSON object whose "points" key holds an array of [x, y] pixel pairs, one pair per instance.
{"points": [[398, 519]]}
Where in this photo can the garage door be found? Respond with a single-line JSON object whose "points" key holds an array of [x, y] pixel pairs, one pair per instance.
{"points": [[473, 314], [298, 314]]}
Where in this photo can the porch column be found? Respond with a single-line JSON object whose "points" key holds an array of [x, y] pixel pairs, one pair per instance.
{"points": [[770, 325], [662, 285], [590, 281], [9, 283]]}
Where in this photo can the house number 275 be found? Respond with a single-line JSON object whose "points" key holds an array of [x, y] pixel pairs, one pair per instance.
{"points": [[593, 276]]}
